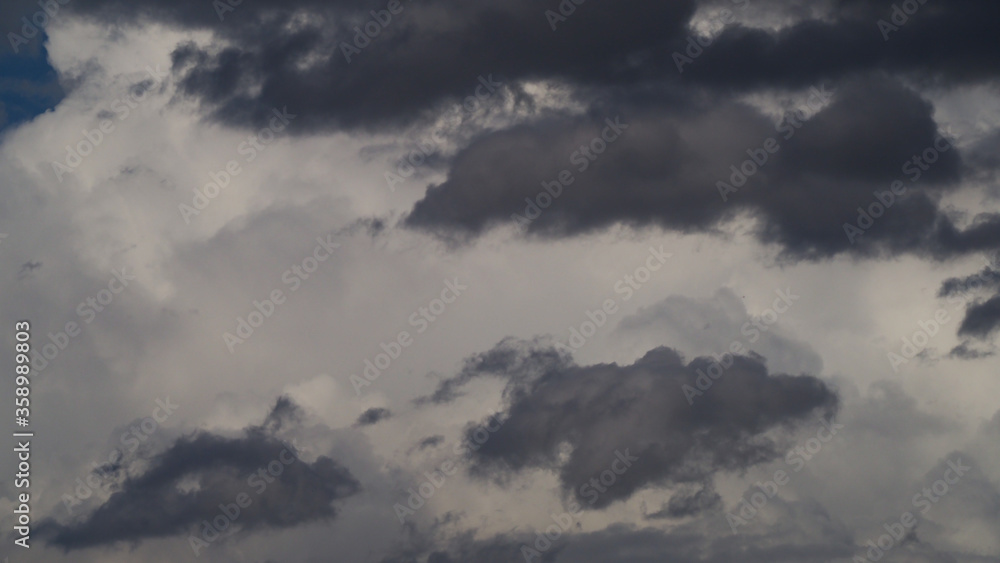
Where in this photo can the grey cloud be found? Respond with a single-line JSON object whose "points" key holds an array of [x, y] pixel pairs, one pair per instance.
{"points": [[848, 40], [981, 319], [430, 442], [605, 411], [987, 278], [666, 168], [373, 416], [411, 66], [809, 536], [965, 352], [690, 501], [155, 505], [710, 326]]}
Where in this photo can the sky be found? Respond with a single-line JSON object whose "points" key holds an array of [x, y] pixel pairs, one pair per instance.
{"points": [[686, 281]]}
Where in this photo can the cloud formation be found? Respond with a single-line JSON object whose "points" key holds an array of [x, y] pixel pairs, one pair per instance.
{"points": [[578, 420], [188, 482]]}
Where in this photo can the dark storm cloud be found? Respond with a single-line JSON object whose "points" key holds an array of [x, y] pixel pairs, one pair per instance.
{"points": [[987, 278], [606, 411], [950, 42], [373, 416], [156, 504], [664, 170], [290, 53], [429, 53], [618, 58], [981, 319]]}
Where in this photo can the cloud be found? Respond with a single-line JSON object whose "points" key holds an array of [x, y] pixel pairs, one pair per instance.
{"points": [[668, 169], [848, 40], [810, 536], [563, 418], [686, 128], [554, 408], [987, 278], [689, 501], [163, 502], [964, 352], [292, 53], [272, 53], [981, 319], [373, 416], [710, 326], [430, 442]]}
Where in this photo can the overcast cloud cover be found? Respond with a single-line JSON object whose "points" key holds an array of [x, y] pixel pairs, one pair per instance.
{"points": [[439, 281]]}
